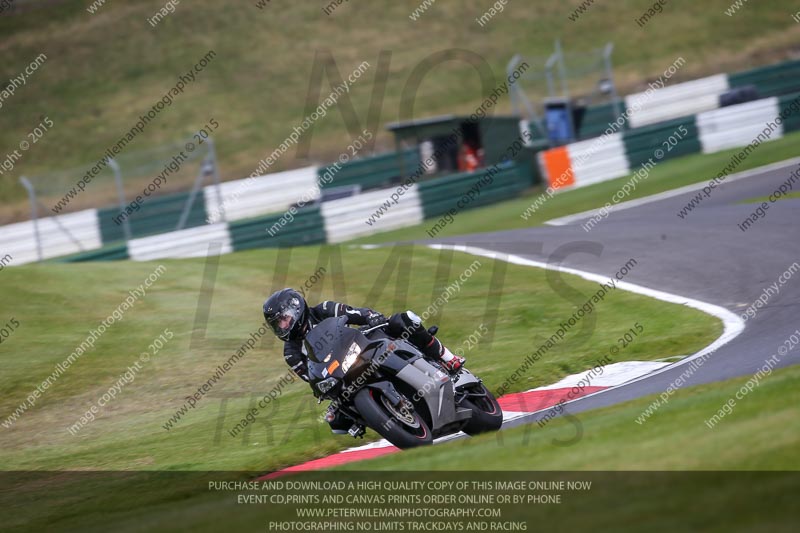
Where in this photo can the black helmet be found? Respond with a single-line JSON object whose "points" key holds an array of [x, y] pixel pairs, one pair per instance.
{"points": [[286, 313]]}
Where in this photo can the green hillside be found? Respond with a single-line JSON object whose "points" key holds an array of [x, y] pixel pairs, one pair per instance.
{"points": [[104, 70]]}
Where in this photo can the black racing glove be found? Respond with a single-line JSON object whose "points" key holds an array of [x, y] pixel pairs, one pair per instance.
{"points": [[375, 319]]}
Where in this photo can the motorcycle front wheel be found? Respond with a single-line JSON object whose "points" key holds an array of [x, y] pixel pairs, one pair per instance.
{"points": [[403, 428]]}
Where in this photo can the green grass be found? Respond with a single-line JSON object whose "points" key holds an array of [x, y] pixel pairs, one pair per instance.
{"points": [[56, 305], [105, 69], [759, 434], [666, 176]]}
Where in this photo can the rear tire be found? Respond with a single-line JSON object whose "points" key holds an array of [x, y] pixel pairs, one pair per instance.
{"points": [[412, 432], [486, 412]]}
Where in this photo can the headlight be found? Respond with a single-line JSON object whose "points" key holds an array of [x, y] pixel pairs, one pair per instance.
{"points": [[326, 384], [352, 354]]}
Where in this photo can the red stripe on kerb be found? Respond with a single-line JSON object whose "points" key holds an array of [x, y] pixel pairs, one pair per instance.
{"points": [[334, 460], [525, 402], [536, 400]]}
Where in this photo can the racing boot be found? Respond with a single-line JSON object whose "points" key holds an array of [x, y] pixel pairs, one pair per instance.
{"points": [[451, 361]]}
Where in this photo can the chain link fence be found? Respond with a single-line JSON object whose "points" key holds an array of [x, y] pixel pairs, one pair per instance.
{"points": [[135, 194]]}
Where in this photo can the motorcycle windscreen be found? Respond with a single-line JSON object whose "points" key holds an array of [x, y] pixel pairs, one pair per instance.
{"points": [[329, 340]]}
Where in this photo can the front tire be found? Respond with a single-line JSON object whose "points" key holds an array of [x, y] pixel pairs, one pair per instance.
{"points": [[404, 431], [487, 415]]}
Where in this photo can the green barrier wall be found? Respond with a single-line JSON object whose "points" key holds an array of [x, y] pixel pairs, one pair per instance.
{"points": [[372, 172], [307, 227], [116, 252], [790, 103], [158, 214], [772, 80], [440, 195], [641, 143], [596, 120]]}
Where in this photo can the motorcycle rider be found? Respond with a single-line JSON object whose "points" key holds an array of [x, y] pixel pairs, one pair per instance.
{"points": [[290, 317]]}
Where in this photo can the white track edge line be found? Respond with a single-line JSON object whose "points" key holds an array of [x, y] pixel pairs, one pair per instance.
{"points": [[733, 325]]}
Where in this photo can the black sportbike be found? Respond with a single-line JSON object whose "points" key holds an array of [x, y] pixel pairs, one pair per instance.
{"points": [[386, 384]]}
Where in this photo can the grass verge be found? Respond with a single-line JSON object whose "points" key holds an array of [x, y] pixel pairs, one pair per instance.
{"points": [[759, 434]]}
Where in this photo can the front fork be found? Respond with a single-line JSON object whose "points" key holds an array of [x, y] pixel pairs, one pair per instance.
{"points": [[357, 430]]}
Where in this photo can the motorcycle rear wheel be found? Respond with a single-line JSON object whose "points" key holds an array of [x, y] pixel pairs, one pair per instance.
{"points": [[487, 415]]}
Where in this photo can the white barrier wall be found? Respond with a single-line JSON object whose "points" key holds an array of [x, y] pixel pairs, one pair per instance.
{"points": [[679, 100], [251, 197], [347, 218], [737, 125], [61, 235], [192, 242], [593, 162]]}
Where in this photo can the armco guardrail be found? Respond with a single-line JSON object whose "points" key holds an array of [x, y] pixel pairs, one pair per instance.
{"points": [[785, 103], [641, 143], [332, 222], [114, 252], [585, 162], [733, 126], [693, 97]]}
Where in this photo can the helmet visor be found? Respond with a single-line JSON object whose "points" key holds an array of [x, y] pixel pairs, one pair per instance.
{"points": [[283, 320]]}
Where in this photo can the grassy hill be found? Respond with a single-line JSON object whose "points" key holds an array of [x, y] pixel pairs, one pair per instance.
{"points": [[103, 70]]}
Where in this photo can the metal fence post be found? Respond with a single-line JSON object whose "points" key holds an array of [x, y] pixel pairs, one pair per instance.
{"points": [[34, 214], [609, 49], [212, 154], [198, 182], [126, 228]]}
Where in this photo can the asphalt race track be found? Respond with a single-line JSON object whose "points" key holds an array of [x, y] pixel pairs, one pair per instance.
{"points": [[704, 256]]}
